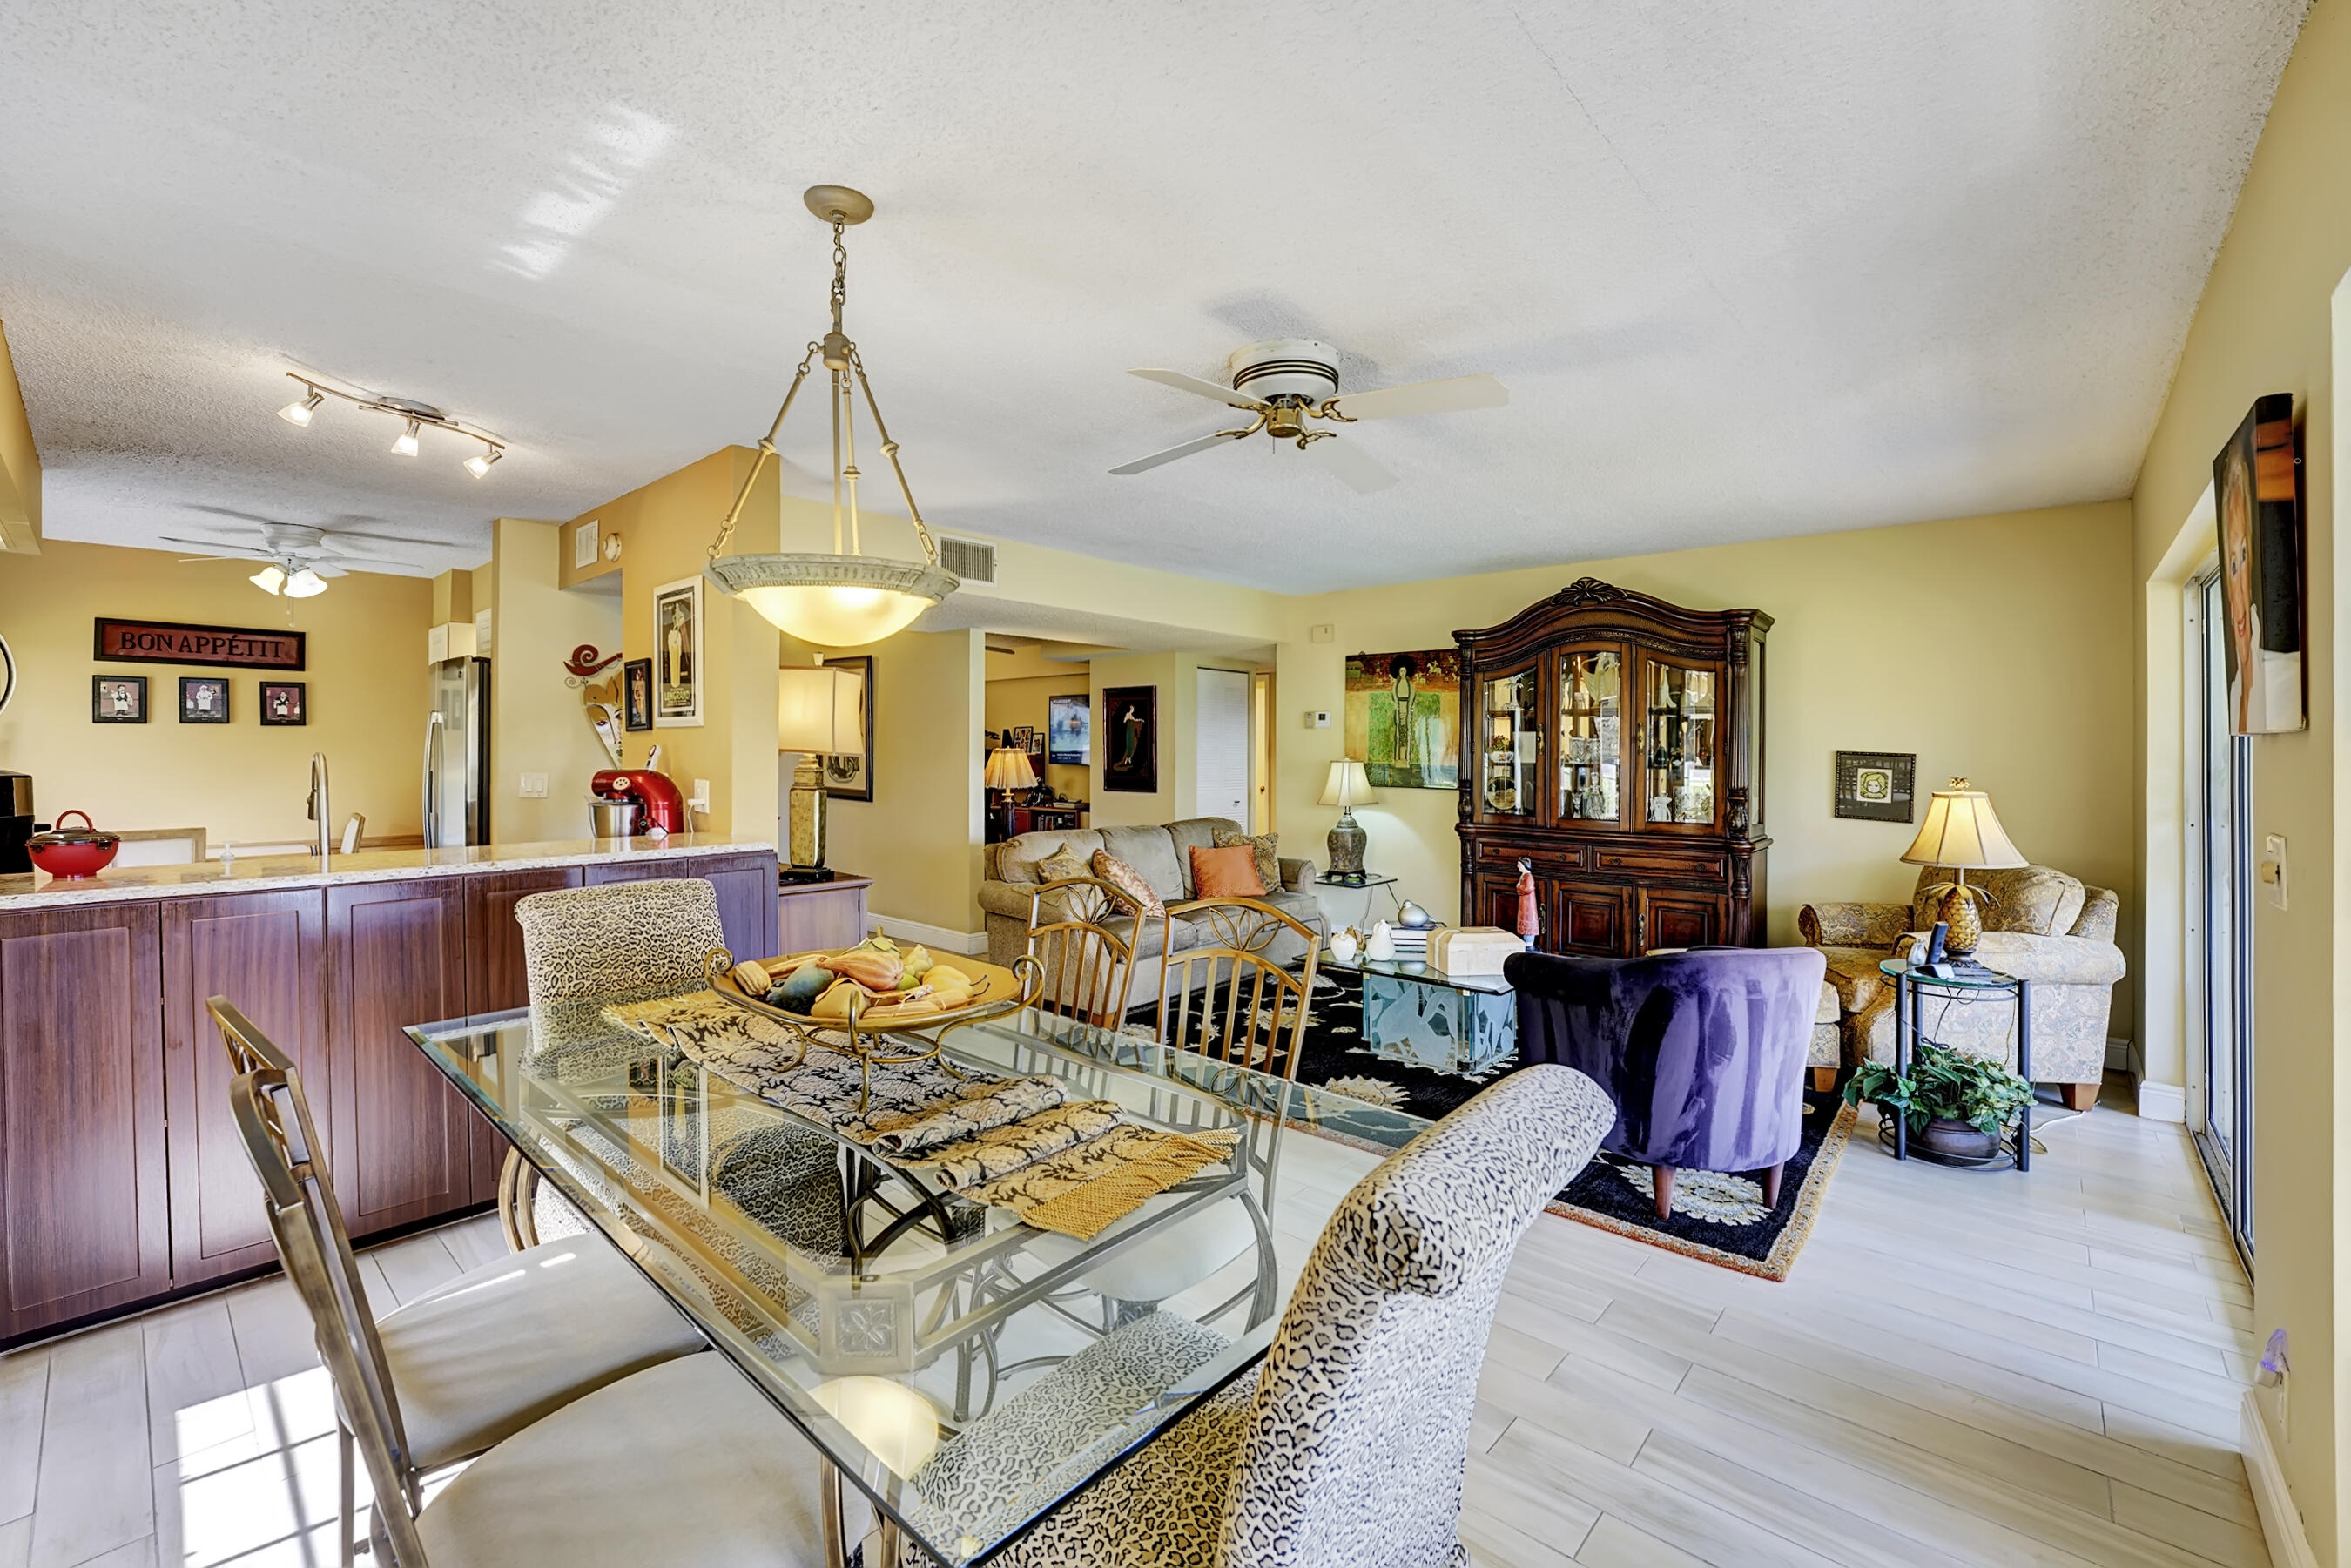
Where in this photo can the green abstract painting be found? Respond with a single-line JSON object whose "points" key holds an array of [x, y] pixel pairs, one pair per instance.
{"points": [[1403, 719]]}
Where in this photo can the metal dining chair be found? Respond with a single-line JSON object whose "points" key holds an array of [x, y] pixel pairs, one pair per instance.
{"points": [[1089, 962], [486, 1354], [683, 1462], [1224, 998]]}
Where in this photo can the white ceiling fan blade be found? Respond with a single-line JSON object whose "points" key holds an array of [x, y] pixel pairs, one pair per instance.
{"points": [[1173, 452], [1199, 388], [331, 535], [323, 569], [227, 551], [1350, 463], [1455, 394]]}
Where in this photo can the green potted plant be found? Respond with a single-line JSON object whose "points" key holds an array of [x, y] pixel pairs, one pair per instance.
{"points": [[1956, 1104]]}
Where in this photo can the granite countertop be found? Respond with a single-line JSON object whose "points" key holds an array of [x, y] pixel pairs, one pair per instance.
{"points": [[262, 874]]}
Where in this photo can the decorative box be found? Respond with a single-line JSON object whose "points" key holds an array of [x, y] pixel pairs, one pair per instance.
{"points": [[1473, 949]]}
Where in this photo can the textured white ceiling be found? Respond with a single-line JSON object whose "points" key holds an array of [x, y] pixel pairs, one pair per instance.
{"points": [[1748, 270]]}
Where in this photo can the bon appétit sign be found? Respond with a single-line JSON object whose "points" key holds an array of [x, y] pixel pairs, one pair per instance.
{"points": [[171, 642]]}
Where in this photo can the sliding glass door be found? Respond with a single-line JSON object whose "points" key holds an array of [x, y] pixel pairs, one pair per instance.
{"points": [[2220, 919]]}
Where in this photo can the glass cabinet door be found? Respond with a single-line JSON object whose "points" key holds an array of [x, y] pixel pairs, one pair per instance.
{"points": [[1591, 735], [1509, 744], [1680, 739]]}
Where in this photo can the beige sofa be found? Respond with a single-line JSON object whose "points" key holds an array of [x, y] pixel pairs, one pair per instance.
{"points": [[2042, 925], [1161, 853]]}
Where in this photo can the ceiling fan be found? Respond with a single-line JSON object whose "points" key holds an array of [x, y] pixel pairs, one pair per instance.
{"points": [[295, 559], [1285, 381]]}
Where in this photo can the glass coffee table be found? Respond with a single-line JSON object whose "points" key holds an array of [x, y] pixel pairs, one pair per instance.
{"points": [[1421, 1015]]}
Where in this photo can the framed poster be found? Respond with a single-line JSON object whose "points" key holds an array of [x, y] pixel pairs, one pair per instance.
{"points": [[1403, 719], [203, 699], [677, 654], [849, 775], [2256, 490], [1877, 786], [286, 703], [118, 699], [1130, 739], [1070, 730], [637, 694]]}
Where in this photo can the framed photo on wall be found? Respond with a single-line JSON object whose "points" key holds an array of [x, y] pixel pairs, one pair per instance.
{"points": [[118, 699], [637, 694], [1403, 719], [677, 654], [286, 703], [1877, 786], [1130, 739], [1070, 730], [203, 699], [849, 775], [2257, 495]]}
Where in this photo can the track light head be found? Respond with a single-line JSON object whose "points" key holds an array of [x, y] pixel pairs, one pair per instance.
{"points": [[406, 443], [478, 465], [269, 579], [299, 412]]}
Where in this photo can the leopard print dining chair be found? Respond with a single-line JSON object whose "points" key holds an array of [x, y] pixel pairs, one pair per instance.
{"points": [[1351, 1445]]}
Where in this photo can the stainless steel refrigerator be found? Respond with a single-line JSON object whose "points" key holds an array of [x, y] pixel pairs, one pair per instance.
{"points": [[457, 755]]}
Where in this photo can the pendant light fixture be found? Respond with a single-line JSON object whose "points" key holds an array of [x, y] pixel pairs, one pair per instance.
{"points": [[848, 598]]}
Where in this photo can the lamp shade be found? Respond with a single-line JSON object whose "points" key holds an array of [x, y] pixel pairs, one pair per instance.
{"points": [[1962, 832], [834, 601], [1008, 768], [1348, 787], [820, 709]]}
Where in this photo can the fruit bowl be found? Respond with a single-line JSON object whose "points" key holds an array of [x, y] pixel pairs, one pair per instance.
{"points": [[868, 1013]]}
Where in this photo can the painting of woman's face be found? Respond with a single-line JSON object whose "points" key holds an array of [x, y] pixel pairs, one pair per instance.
{"points": [[2256, 492]]}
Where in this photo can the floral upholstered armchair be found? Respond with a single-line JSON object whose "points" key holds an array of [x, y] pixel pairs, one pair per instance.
{"points": [[2040, 925]]}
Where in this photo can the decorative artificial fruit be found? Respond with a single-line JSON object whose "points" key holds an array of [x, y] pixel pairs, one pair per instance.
{"points": [[836, 1002], [753, 977], [803, 986], [918, 963]]}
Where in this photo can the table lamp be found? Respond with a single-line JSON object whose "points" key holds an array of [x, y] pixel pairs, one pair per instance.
{"points": [[820, 713], [1008, 771], [1961, 831], [1347, 788]]}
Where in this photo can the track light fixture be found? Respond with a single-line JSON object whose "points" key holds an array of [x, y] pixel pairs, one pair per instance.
{"points": [[416, 415]]}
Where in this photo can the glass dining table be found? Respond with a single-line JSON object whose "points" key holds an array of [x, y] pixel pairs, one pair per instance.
{"points": [[968, 1371]]}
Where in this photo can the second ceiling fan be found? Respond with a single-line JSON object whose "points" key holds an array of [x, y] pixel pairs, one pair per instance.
{"points": [[1286, 382]]}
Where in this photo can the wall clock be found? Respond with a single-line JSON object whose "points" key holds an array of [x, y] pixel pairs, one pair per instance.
{"points": [[611, 546]]}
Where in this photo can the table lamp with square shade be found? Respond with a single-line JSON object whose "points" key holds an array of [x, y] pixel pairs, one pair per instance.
{"points": [[1961, 831], [820, 713], [1347, 788]]}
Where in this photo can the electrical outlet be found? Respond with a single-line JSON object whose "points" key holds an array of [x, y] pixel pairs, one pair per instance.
{"points": [[534, 786], [701, 801], [2272, 870]]}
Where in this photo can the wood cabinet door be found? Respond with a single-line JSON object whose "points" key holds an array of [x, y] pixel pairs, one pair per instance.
{"points": [[1672, 917], [745, 883], [1590, 918], [821, 918], [84, 1199], [495, 980], [400, 1139], [266, 953], [1681, 745]]}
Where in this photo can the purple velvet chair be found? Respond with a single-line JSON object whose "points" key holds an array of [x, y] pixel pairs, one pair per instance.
{"points": [[1702, 1051]]}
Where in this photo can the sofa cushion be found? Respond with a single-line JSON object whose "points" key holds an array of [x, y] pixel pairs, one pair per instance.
{"points": [[1227, 873], [1150, 850], [1145, 945], [1827, 1011], [1197, 832], [2035, 899], [1303, 908], [1021, 859], [1854, 974]]}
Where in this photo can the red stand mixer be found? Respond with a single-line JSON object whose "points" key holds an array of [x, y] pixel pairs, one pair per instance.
{"points": [[658, 803]]}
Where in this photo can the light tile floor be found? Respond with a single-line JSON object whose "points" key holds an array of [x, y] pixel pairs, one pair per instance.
{"points": [[1963, 1368]]}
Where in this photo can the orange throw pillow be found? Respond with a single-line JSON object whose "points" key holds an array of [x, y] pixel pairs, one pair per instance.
{"points": [[1228, 873]]}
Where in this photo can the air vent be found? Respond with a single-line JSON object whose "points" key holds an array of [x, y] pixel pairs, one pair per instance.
{"points": [[969, 559]]}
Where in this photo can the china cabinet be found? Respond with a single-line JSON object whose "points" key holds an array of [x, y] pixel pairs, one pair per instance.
{"points": [[1614, 743]]}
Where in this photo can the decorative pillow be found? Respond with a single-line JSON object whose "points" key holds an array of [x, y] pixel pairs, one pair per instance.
{"points": [[1269, 858], [1129, 882], [1227, 873], [1063, 866]]}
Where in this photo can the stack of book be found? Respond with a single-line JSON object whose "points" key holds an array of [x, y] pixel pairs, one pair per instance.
{"points": [[1412, 943]]}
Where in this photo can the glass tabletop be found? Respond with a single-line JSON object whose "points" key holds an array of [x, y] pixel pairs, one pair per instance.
{"points": [[1427, 974], [968, 1371], [1974, 977], [1355, 879]]}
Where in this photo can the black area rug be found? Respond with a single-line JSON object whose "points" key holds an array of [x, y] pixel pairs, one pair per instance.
{"points": [[1717, 1217]]}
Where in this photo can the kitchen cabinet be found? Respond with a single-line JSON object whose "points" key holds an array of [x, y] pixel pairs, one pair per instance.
{"points": [[1614, 743], [401, 1135], [266, 952], [83, 1197], [819, 915], [745, 883], [495, 980]]}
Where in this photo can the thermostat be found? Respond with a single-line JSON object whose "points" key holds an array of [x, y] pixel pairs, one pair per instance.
{"points": [[1318, 718]]}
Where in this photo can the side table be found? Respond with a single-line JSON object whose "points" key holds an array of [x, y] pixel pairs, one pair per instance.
{"points": [[1910, 1008], [1365, 881]]}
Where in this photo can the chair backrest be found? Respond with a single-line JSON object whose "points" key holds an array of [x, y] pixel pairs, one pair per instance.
{"points": [[1358, 1437], [1224, 998], [1088, 966], [618, 938], [274, 1117]]}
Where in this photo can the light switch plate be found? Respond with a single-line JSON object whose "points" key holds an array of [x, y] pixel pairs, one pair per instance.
{"points": [[534, 786], [2272, 868]]}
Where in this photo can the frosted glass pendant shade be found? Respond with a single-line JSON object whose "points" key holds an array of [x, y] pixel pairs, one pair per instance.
{"points": [[833, 600]]}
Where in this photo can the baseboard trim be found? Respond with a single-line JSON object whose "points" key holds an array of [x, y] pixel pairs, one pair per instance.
{"points": [[2281, 1521], [937, 937], [2121, 1054], [2162, 1101]]}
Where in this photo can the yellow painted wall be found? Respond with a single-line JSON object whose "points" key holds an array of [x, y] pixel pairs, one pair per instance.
{"points": [[1171, 674], [538, 725], [2037, 604], [2271, 318], [239, 781], [1026, 699], [20, 465]]}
